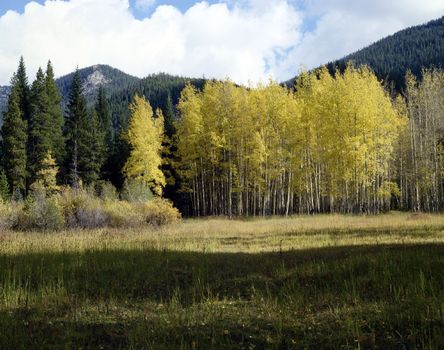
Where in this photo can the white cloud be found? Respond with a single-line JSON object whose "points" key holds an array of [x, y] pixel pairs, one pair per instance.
{"points": [[344, 26], [145, 5], [241, 39], [240, 42]]}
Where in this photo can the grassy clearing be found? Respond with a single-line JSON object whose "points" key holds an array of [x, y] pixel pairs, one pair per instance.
{"points": [[332, 282]]}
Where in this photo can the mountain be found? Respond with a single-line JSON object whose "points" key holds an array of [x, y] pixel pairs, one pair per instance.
{"points": [[411, 49], [4, 93], [95, 76], [92, 78], [120, 88]]}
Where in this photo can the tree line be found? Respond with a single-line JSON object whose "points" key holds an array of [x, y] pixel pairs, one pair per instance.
{"points": [[36, 132], [336, 143]]}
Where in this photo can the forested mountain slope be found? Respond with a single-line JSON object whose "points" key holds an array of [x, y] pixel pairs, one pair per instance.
{"points": [[95, 76], [159, 89], [4, 92], [411, 49]]}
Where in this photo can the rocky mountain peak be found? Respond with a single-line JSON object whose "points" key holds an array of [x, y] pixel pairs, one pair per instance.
{"points": [[94, 80]]}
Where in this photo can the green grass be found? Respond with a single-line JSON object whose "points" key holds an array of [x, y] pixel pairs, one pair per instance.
{"points": [[327, 282]]}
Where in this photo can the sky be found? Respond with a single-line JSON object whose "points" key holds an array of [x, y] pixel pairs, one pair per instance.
{"points": [[248, 41]]}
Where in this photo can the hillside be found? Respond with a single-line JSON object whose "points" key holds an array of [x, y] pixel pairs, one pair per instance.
{"points": [[4, 92], [156, 88], [411, 49], [120, 88], [95, 76]]}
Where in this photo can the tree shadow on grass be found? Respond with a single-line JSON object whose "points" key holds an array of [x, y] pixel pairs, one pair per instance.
{"points": [[158, 275], [404, 280]]}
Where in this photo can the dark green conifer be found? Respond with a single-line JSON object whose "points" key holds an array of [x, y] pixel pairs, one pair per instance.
{"points": [[76, 120], [56, 115], [40, 139], [169, 117], [91, 148], [104, 115], [14, 136], [23, 89]]}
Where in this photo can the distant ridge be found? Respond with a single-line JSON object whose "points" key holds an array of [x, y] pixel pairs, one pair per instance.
{"points": [[95, 76], [411, 49], [120, 88], [4, 93]]}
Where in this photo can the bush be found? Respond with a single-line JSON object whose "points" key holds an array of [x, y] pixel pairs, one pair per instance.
{"points": [[40, 213], [7, 219], [82, 210], [107, 191], [160, 212], [136, 192], [123, 214]]}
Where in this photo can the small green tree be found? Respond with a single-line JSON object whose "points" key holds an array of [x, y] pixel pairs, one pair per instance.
{"points": [[47, 175]]}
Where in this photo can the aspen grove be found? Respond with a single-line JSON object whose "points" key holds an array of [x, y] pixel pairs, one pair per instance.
{"points": [[327, 147]]}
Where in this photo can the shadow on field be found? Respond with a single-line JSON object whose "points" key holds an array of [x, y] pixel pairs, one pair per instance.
{"points": [[386, 296], [160, 275], [33, 329]]}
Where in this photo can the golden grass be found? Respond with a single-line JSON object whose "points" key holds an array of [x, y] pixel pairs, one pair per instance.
{"points": [[250, 236]]}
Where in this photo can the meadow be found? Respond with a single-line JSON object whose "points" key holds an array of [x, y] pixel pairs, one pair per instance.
{"points": [[323, 282]]}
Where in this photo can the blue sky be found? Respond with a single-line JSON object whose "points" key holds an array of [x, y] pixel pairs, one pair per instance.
{"points": [[183, 5], [245, 40]]}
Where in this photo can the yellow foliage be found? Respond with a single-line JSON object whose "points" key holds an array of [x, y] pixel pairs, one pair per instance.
{"points": [[145, 135], [47, 176], [259, 148]]}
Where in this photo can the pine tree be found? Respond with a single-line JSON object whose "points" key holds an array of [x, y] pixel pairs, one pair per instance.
{"points": [[23, 90], [40, 140], [109, 151], [91, 148], [76, 127], [145, 135], [14, 135], [104, 115], [169, 115], [56, 115]]}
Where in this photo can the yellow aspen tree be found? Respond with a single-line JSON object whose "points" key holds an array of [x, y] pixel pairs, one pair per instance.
{"points": [[145, 134], [47, 175], [189, 144]]}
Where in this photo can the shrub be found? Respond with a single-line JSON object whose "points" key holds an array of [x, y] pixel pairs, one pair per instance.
{"points": [[136, 191], [40, 213], [82, 210], [123, 214], [4, 187], [160, 212], [6, 216], [107, 191]]}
